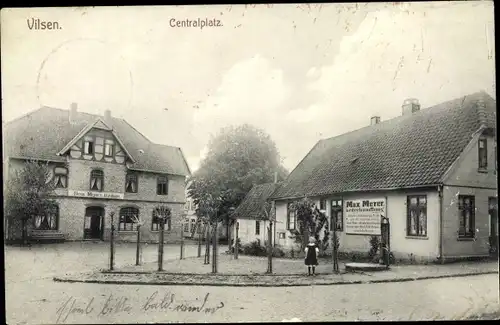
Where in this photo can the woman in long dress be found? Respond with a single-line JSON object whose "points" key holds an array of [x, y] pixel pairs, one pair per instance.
{"points": [[312, 252]]}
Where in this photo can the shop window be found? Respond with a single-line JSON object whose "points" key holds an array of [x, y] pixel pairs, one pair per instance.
{"points": [[291, 217], [416, 215], [257, 227], [336, 218], [483, 154], [96, 180], [48, 221], [155, 223], [127, 219], [61, 177], [466, 209], [131, 183], [162, 185]]}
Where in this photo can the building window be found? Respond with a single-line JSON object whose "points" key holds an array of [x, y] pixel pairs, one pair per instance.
{"points": [[96, 180], [466, 208], [88, 147], [483, 154], [193, 225], [257, 227], [49, 221], [109, 148], [155, 223], [199, 227], [162, 185], [291, 217], [336, 218], [131, 183], [127, 219], [322, 205], [186, 225], [417, 216], [61, 177]]}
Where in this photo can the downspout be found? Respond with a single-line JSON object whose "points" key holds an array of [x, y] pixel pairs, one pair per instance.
{"points": [[441, 223]]}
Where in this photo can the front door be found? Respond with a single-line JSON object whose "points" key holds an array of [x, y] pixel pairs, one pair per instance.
{"points": [[493, 212], [93, 225]]}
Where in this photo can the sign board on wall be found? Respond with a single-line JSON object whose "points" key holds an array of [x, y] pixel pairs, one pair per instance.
{"points": [[362, 217], [96, 195]]}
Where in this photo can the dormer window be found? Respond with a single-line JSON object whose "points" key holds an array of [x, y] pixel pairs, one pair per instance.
{"points": [[96, 180], [131, 183], [61, 177], [109, 148], [483, 154], [88, 147]]}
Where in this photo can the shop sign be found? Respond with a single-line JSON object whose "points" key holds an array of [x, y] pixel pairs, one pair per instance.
{"points": [[96, 195], [363, 217]]}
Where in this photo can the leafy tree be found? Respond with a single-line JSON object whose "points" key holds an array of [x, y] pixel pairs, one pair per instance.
{"points": [[29, 194], [310, 223], [238, 158]]}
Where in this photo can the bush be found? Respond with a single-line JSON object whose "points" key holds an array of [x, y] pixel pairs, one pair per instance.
{"points": [[374, 246], [254, 249], [278, 252]]}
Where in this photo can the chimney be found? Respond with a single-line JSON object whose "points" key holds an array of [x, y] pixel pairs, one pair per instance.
{"points": [[107, 117], [72, 112], [275, 177], [374, 120], [410, 106]]}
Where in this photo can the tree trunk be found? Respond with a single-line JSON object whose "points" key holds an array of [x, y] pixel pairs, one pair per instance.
{"points": [[207, 244], [214, 249], [199, 240], [270, 248], [24, 225], [138, 249], [160, 247]]}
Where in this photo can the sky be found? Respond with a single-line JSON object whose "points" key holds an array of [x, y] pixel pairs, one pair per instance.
{"points": [[300, 72]]}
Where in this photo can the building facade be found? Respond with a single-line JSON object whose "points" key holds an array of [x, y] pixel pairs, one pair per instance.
{"points": [[431, 172], [250, 219], [100, 165]]}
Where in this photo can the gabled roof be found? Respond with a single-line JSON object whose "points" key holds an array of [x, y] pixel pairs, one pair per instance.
{"points": [[253, 204], [43, 133], [98, 123], [407, 151]]}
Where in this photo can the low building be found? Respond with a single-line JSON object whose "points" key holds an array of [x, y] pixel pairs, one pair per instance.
{"points": [[431, 172], [101, 164], [250, 216]]}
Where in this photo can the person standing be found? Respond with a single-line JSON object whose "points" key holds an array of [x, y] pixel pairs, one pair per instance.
{"points": [[312, 252]]}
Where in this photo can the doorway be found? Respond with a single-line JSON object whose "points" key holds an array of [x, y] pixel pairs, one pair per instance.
{"points": [[94, 223], [493, 213]]}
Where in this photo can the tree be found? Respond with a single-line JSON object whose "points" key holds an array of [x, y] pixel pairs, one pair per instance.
{"points": [[310, 223], [137, 220], [238, 158], [163, 213], [29, 194]]}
